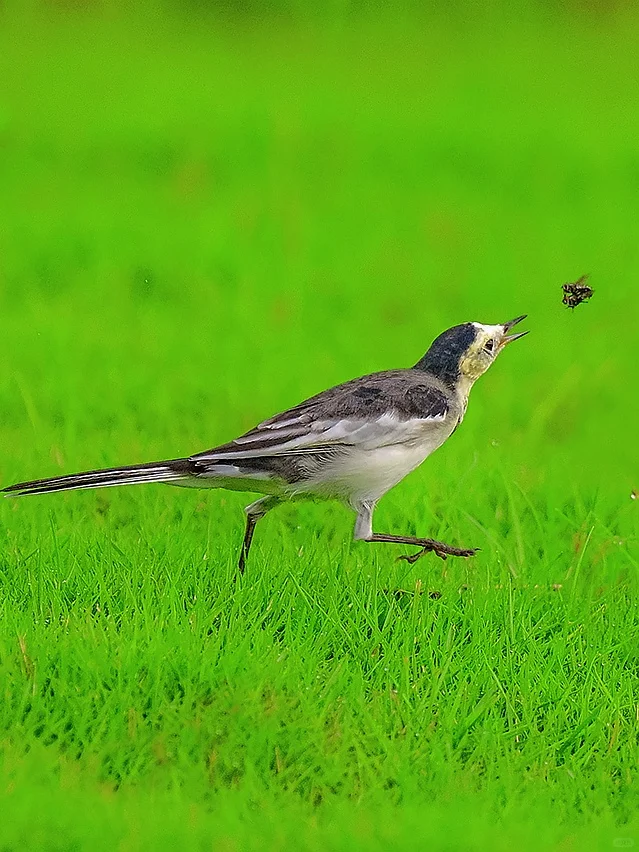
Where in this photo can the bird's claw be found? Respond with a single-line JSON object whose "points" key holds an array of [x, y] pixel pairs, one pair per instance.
{"points": [[412, 558], [439, 549]]}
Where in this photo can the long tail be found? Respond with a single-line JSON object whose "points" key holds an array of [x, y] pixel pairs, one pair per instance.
{"points": [[165, 471]]}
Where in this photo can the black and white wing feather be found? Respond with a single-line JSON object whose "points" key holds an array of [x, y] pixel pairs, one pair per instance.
{"points": [[369, 413]]}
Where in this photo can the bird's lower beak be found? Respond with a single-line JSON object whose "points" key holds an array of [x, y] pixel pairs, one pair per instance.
{"points": [[508, 338]]}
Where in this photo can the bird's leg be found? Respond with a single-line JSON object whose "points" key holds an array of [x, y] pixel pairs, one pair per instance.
{"points": [[254, 512], [251, 523], [364, 532]]}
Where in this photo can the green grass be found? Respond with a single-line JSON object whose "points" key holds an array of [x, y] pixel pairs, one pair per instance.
{"points": [[206, 219]]}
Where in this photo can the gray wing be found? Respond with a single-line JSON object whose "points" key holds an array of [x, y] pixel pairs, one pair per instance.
{"points": [[370, 412]]}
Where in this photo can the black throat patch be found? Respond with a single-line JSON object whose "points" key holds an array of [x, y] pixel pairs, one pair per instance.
{"points": [[444, 355]]}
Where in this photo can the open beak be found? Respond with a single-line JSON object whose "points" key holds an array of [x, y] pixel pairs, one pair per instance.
{"points": [[508, 338]]}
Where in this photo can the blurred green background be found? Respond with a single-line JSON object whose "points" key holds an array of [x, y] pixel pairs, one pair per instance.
{"points": [[211, 211], [207, 216]]}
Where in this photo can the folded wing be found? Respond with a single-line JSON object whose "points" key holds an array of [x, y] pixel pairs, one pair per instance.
{"points": [[368, 413]]}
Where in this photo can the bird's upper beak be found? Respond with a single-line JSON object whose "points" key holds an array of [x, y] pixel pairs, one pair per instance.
{"points": [[508, 338]]}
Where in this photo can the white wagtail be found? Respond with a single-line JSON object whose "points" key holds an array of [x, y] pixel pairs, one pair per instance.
{"points": [[351, 443]]}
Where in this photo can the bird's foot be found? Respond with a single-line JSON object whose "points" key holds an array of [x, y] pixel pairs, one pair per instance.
{"points": [[439, 548]]}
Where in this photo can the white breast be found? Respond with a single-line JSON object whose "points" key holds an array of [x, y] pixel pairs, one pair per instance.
{"points": [[368, 470]]}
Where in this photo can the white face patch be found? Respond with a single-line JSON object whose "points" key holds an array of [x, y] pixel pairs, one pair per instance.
{"points": [[482, 352], [489, 330]]}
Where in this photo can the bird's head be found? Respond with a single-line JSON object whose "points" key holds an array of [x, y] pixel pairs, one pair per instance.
{"points": [[464, 352]]}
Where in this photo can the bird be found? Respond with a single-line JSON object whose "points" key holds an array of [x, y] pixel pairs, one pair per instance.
{"points": [[351, 443]]}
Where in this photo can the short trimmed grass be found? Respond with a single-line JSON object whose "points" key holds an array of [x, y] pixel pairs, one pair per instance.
{"points": [[204, 221]]}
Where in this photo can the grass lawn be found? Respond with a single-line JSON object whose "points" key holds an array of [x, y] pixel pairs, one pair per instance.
{"points": [[205, 219]]}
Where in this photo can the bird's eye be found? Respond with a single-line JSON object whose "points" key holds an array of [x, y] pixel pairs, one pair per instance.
{"points": [[489, 345]]}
